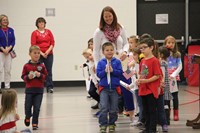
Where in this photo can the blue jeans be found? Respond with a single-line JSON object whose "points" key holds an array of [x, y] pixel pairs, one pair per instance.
{"points": [[48, 62], [161, 111], [33, 100], [139, 101], [108, 104]]}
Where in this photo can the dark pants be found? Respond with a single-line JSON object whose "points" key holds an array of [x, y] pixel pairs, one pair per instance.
{"points": [[175, 100], [33, 100], [150, 112], [93, 92], [139, 102], [161, 111], [48, 62]]}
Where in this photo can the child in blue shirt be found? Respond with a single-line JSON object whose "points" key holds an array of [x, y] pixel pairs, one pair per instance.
{"points": [[109, 70]]}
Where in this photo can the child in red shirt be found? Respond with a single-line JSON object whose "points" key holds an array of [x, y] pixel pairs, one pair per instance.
{"points": [[149, 83]]}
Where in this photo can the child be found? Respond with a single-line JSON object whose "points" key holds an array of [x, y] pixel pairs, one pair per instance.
{"points": [[149, 83], [109, 70], [33, 74], [164, 97], [135, 67], [94, 82], [174, 68], [8, 115]]}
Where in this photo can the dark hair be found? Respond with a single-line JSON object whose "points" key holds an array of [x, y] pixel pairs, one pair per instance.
{"points": [[164, 51], [90, 40], [40, 19], [114, 25], [145, 35], [106, 44]]}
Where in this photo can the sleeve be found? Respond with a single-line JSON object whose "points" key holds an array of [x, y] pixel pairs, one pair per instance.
{"points": [[51, 38], [156, 68], [43, 73], [97, 46], [13, 39], [179, 68], [93, 75], [125, 46], [101, 73], [24, 74], [163, 69], [118, 71], [33, 38]]}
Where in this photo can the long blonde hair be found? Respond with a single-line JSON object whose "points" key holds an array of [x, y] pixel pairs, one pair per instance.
{"points": [[8, 103]]}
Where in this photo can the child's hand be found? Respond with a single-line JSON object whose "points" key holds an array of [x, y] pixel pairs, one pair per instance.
{"points": [[142, 81], [171, 78], [123, 56], [137, 82], [97, 85], [110, 68], [37, 74], [31, 75], [17, 117], [128, 87], [162, 83], [131, 64]]}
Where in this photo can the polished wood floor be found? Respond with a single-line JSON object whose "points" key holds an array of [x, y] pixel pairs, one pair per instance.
{"points": [[68, 111]]}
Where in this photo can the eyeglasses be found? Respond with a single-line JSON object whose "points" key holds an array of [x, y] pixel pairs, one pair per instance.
{"points": [[144, 47]]}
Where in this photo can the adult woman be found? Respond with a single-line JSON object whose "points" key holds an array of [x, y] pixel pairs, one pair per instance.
{"points": [[7, 43], [109, 31], [43, 38]]}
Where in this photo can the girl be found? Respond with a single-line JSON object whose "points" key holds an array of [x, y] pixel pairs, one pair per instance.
{"points": [[135, 67], [174, 68], [149, 83], [164, 97], [8, 115]]}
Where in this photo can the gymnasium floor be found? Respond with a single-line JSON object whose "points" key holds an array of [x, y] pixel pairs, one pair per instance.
{"points": [[68, 111]]}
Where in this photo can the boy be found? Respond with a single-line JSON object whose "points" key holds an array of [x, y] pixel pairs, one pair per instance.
{"points": [[109, 70], [34, 74]]}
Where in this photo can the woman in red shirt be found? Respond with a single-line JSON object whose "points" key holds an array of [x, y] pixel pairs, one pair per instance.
{"points": [[43, 38]]}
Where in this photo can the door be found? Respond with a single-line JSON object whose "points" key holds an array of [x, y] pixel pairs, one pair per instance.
{"points": [[161, 18]]}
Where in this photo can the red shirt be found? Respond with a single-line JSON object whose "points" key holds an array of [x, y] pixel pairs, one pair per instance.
{"points": [[43, 40], [149, 68], [35, 85]]}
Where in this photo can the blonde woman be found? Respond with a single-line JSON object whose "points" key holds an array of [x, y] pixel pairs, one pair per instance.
{"points": [[7, 43]]}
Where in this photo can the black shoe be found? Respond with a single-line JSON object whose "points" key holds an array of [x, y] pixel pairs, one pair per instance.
{"points": [[27, 122], [95, 106]]}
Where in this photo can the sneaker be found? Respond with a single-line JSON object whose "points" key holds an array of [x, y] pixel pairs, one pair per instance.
{"points": [[26, 131], [96, 106], [35, 126], [27, 121], [140, 126], [165, 128], [103, 129], [51, 90], [111, 128]]}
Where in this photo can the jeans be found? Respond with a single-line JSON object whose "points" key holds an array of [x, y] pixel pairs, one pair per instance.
{"points": [[161, 111], [48, 62], [139, 102], [108, 105], [33, 100]]}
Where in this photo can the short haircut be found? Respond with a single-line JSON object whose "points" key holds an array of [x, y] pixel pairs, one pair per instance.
{"points": [[33, 47], [148, 41], [107, 44], [38, 20], [87, 51]]}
